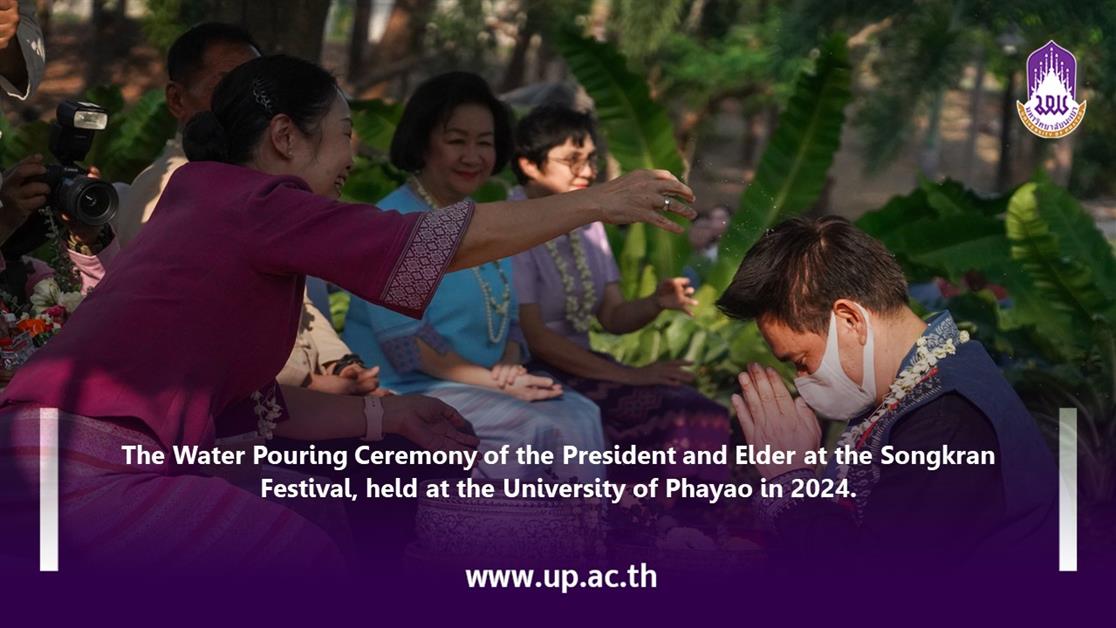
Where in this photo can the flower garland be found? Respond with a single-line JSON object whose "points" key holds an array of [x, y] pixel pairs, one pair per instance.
{"points": [[579, 312], [924, 366], [267, 412], [492, 307], [67, 274]]}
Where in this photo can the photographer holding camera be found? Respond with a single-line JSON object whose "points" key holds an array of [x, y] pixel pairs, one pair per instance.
{"points": [[80, 204], [23, 229]]}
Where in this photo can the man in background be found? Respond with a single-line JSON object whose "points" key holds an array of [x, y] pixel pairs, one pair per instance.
{"points": [[196, 63]]}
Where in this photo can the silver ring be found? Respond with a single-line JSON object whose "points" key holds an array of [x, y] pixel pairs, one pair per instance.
{"points": [[666, 204]]}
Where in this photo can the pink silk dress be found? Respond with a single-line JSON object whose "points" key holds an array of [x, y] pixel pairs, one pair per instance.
{"points": [[177, 345]]}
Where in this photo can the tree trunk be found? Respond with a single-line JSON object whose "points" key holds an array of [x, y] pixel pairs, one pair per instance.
{"points": [[362, 15], [294, 27], [516, 72], [545, 58], [1007, 115], [402, 38], [122, 8], [931, 155], [1059, 160], [693, 19], [975, 98], [100, 55]]}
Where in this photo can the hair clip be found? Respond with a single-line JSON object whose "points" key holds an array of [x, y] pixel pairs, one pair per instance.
{"points": [[259, 92]]}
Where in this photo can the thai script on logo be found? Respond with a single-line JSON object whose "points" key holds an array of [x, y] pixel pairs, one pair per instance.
{"points": [[1051, 110]]}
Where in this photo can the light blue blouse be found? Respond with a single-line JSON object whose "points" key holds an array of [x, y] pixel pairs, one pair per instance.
{"points": [[455, 320]]}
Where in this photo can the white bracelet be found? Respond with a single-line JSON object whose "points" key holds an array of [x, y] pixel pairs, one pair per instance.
{"points": [[373, 419]]}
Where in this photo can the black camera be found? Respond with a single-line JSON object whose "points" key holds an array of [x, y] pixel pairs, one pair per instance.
{"points": [[72, 191]]}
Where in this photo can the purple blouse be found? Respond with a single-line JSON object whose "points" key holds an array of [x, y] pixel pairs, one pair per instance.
{"points": [[537, 279], [189, 328]]}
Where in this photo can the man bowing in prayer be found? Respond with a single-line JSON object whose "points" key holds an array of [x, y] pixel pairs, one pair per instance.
{"points": [[832, 301]]}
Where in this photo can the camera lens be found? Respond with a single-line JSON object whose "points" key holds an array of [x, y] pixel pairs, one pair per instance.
{"points": [[89, 201]]}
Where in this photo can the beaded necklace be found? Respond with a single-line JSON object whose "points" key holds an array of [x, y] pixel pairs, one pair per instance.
{"points": [[493, 308]]}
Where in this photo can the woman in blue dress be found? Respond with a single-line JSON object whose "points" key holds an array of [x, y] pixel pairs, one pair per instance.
{"points": [[467, 349]]}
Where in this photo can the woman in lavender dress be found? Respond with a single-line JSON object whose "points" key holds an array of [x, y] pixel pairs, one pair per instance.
{"points": [[564, 283]]}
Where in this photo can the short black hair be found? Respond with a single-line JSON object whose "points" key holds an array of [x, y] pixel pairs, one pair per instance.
{"points": [[545, 127], [432, 104], [246, 100], [187, 54], [797, 270]]}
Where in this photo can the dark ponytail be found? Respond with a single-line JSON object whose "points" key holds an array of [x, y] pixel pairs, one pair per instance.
{"points": [[204, 138], [248, 98]]}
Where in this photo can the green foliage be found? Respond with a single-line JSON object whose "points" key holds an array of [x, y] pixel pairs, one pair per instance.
{"points": [[942, 230], [1060, 253], [639, 134], [790, 178], [922, 54], [167, 19], [461, 31], [339, 309], [639, 131], [373, 177], [134, 137], [793, 170], [696, 71], [644, 26], [19, 142], [374, 122], [1055, 337], [720, 348]]}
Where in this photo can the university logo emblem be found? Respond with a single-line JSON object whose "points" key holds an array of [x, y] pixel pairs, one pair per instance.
{"points": [[1051, 110]]}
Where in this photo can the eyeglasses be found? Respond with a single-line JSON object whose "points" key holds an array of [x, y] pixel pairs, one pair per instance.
{"points": [[577, 164]]}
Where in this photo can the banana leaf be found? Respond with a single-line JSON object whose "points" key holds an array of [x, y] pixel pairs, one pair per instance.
{"points": [[1059, 263], [374, 122], [638, 130], [133, 138], [371, 180], [794, 168], [1078, 235], [19, 142], [950, 248], [108, 97], [951, 198]]}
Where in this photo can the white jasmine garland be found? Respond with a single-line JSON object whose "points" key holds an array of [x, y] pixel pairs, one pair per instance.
{"points": [[268, 412], [579, 312], [925, 360]]}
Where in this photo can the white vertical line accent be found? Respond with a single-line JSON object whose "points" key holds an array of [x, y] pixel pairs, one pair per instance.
{"points": [[1067, 489], [48, 489]]}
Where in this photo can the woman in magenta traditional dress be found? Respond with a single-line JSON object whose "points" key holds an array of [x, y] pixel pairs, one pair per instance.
{"points": [[176, 345], [566, 282]]}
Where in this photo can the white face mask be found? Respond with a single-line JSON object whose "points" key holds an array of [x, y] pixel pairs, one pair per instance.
{"points": [[829, 391]]}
